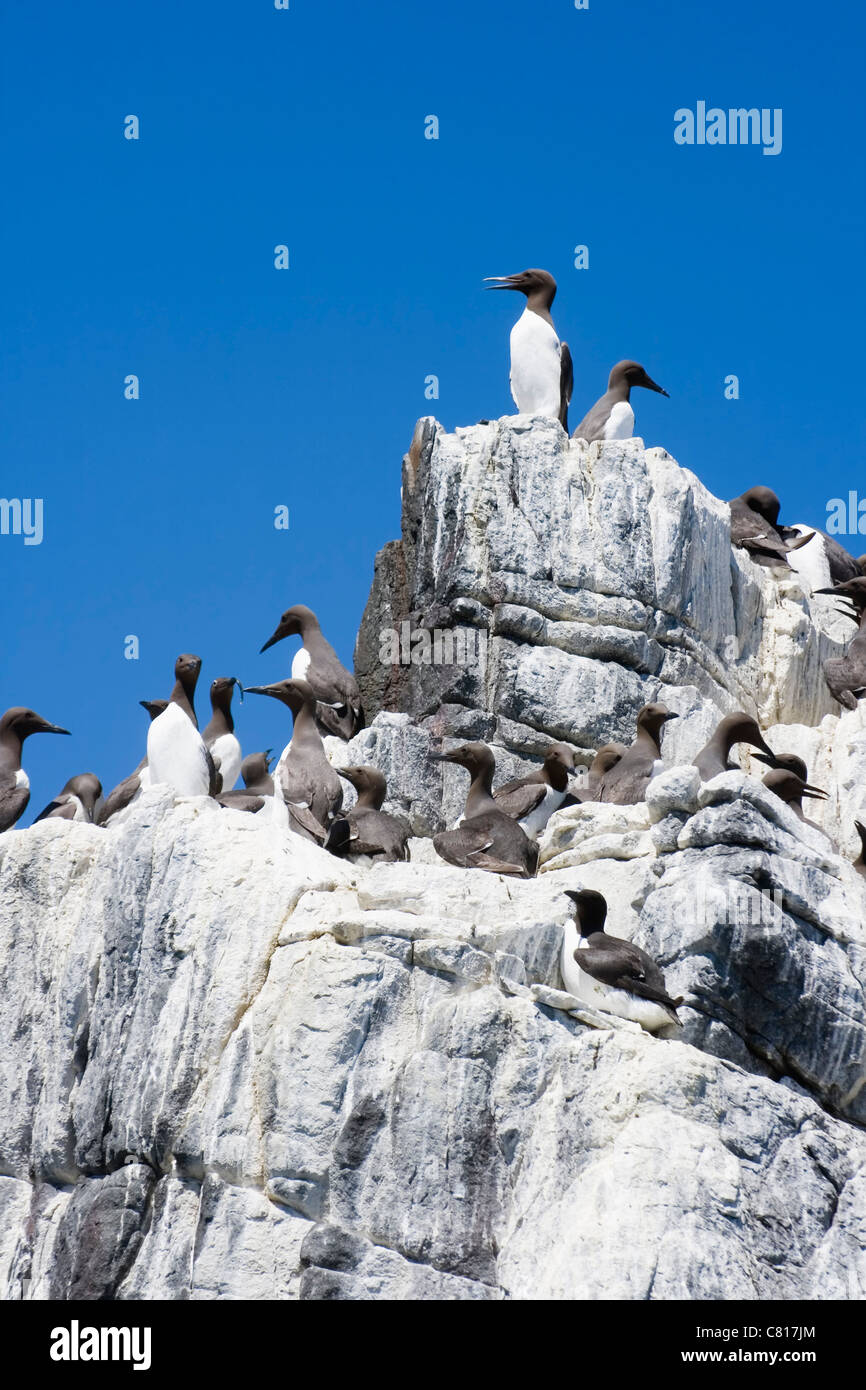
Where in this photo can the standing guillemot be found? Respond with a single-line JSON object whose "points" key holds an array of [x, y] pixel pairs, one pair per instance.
{"points": [[755, 528], [612, 417], [77, 800], [626, 782], [541, 369], [304, 781], [610, 974], [129, 789], [219, 735], [487, 838], [532, 800], [366, 834], [176, 752], [17, 724], [336, 690], [714, 757]]}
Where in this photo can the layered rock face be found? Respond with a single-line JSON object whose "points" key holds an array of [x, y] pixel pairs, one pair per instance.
{"points": [[236, 1067]]}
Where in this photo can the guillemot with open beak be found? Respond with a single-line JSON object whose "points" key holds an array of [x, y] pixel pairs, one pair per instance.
{"points": [[16, 725], [610, 974], [219, 735], [76, 801], [366, 834], [304, 781], [336, 690], [541, 369], [486, 838], [612, 417]]}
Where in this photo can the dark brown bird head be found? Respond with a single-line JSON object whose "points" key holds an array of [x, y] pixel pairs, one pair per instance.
{"points": [[296, 621], [590, 910]]}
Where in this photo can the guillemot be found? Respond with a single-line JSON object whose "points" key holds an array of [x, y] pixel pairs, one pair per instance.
{"points": [[219, 735], [366, 834], [542, 374], [626, 782], [258, 785], [612, 416], [755, 528], [304, 781], [610, 974], [16, 725], [487, 838], [714, 757], [336, 690], [532, 800], [176, 752], [76, 801], [130, 788]]}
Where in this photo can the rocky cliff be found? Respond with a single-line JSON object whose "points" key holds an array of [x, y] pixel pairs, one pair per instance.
{"points": [[236, 1067]]}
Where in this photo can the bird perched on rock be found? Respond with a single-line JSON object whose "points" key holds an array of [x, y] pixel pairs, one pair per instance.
{"points": [[258, 784], [542, 375], [610, 974], [487, 838], [755, 528], [338, 698], [791, 787], [76, 801], [304, 781], [16, 725], [846, 675], [626, 782], [219, 735], [366, 834], [129, 789], [714, 757], [532, 800], [604, 761], [612, 416], [176, 752]]}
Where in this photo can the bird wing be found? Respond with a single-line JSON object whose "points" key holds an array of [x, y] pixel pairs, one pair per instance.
{"points": [[518, 798], [566, 383], [13, 802], [620, 965], [120, 796], [62, 808], [592, 425], [215, 781]]}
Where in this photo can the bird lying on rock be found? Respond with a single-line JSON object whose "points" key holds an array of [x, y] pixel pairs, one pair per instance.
{"points": [[626, 782], [76, 801], [610, 974], [304, 780], [338, 698], [532, 800], [612, 416], [754, 528], [714, 757], [16, 725], [487, 838], [366, 834]]}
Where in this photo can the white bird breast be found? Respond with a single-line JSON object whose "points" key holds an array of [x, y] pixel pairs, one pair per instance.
{"points": [[301, 664], [620, 422], [227, 752], [535, 366], [176, 754], [598, 996]]}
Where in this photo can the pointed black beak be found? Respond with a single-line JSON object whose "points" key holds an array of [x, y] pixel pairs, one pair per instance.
{"points": [[816, 792], [259, 690], [671, 715], [763, 758], [52, 729], [654, 386], [501, 282], [270, 642]]}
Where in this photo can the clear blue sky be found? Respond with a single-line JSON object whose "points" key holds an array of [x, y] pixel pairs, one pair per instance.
{"points": [[302, 387]]}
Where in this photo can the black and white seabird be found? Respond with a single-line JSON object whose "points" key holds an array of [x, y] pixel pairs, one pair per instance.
{"points": [[366, 834], [76, 801], [487, 838], [336, 690], [846, 675], [610, 974], [304, 781], [532, 800], [258, 784], [612, 417], [841, 562], [755, 528], [126, 791], [219, 735], [542, 374], [176, 752], [626, 782], [714, 757], [17, 724], [790, 787]]}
